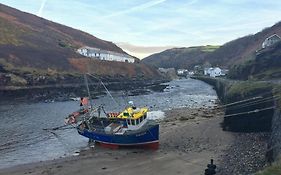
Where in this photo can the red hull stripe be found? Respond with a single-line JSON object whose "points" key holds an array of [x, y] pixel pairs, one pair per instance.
{"points": [[144, 143]]}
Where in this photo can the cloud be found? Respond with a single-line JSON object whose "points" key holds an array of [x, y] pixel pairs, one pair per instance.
{"points": [[136, 8], [160, 23], [40, 11]]}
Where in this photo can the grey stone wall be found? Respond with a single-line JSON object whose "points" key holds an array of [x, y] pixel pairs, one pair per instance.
{"points": [[274, 147]]}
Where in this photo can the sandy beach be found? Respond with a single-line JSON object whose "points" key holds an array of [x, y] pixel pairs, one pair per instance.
{"points": [[189, 138]]}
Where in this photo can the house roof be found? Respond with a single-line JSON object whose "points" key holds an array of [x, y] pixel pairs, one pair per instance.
{"points": [[273, 36]]}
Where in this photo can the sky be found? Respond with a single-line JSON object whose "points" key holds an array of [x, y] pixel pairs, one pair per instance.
{"points": [[143, 27]]}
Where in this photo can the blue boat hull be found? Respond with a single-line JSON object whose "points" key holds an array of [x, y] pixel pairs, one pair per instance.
{"points": [[150, 136]]}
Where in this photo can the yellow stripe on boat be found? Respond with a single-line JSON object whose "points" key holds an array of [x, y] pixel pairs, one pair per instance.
{"points": [[132, 113]]}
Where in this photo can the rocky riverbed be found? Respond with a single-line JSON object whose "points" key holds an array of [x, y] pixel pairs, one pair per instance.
{"points": [[246, 155]]}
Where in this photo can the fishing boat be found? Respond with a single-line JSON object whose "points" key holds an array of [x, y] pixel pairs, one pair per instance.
{"points": [[131, 127], [128, 128]]}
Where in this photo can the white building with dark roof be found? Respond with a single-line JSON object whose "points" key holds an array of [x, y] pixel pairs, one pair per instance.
{"points": [[105, 55], [271, 40], [182, 71], [213, 72]]}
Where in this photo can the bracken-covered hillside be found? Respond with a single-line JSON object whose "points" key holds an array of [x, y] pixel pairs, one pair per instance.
{"points": [[242, 49], [180, 57], [232, 53], [34, 50], [266, 65]]}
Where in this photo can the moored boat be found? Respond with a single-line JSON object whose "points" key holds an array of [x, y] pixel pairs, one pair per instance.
{"points": [[130, 128]]}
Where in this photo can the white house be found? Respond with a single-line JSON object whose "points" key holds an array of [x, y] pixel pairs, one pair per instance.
{"points": [[271, 40], [182, 71], [191, 73], [105, 55], [207, 71], [213, 72]]}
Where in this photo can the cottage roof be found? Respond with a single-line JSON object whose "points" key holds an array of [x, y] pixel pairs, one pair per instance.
{"points": [[273, 36]]}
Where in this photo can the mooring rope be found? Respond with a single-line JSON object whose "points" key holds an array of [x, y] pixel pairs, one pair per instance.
{"points": [[107, 91], [250, 112], [264, 100]]}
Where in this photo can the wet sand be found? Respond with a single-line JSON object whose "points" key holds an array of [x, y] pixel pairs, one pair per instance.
{"points": [[189, 138]]}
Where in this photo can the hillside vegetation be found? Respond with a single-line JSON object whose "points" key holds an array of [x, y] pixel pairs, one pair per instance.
{"points": [[35, 51], [239, 55], [266, 64], [242, 49], [180, 57]]}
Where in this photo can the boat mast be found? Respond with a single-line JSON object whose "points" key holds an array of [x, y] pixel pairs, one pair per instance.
{"points": [[87, 87]]}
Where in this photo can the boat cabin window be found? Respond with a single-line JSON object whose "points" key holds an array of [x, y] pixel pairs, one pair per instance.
{"points": [[137, 121], [129, 121], [141, 119], [134, 122], [144, 116], [126, 114]]}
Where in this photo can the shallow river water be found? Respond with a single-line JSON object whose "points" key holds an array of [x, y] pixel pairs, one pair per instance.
{"points": [[23, 140]]}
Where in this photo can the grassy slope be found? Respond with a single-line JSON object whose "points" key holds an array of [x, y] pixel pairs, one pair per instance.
{"points": [[241, 49], [265, 65], [114, 69], [179, 57], [240, 56], [32, 47], [240, 52], [27, 40]]}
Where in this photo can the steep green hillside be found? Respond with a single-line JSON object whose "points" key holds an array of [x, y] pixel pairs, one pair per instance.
{"points": [[266, 64], [236, 52], [27, 40], [180, 57], [241, 49]]}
